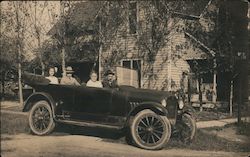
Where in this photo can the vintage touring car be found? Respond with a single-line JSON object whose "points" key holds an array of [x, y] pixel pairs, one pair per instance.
{"points": [[148, 117]]}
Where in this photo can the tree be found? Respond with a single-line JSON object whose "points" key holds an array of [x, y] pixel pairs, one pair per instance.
{"points": [[8, 59], [223, 28], [20, 28], [14, 26]]}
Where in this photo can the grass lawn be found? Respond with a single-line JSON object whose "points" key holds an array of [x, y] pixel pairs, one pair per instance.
{"points": [[14, 124], [204, 141]]}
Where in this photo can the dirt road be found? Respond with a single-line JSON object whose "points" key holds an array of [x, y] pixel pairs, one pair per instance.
{"points": [[60, 145]]}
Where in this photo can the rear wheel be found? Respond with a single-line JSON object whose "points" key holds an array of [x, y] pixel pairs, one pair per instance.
{"points": [[40, 118], [150, 130]]}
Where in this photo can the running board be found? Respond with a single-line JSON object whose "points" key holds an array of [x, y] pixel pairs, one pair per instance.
{"points": [[88, 124]]}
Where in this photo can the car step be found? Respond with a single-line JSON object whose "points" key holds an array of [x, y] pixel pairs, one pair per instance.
{"points": [[88, 124]]}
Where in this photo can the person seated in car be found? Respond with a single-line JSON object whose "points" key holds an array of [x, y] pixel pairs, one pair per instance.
{"points": [[93, 81], [109, 81], [51, 77], [69, 79]]}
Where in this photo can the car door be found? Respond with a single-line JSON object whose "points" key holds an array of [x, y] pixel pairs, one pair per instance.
{"points": [[64, 95], [92, 104]]}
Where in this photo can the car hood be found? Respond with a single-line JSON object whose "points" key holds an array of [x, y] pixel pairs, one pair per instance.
{"points": [[142, 95]]}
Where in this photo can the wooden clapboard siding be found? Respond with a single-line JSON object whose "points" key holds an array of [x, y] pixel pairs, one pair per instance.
{"points": [[128, 44], [162, 62], [177, 69]]}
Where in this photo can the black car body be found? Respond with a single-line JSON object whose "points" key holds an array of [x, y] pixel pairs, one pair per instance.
{"points": [[104, 107]]}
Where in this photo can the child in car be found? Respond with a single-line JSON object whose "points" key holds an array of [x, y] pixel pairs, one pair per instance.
{"points": [[93, 81]]}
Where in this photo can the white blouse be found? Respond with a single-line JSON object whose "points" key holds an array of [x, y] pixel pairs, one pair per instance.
{"points": [[97, 84], [53, 79]]}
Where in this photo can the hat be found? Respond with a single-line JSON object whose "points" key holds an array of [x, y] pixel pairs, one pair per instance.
{"points": [[69, 69], [109, 72]]}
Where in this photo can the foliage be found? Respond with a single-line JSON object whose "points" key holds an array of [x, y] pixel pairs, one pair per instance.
{"points": [[8, 43], [8, 53], [244, 128]]}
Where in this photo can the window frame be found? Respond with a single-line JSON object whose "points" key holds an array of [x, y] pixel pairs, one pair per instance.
{"points": [[131, 67]]}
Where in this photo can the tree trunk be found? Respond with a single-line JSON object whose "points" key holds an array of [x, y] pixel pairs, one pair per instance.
{"points": [[63, 61], [19, 56], [43, 68], [3, 83], [240, 97], [39, 44], [231, 98], [62, 14], [200, 93], [40, 53], [20, 84], [189, 90], [214, 98], [20, 87]]}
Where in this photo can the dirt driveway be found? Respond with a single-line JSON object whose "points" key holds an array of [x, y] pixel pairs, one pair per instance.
{"points": [[59, 145]]}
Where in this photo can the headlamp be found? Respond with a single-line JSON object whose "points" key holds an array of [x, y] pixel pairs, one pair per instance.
{"points": [[181, 104], [164, 103]]}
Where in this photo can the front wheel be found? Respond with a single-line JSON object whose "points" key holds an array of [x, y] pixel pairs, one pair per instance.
{"points": [[187, 128], [40, 118], [150, 130]]}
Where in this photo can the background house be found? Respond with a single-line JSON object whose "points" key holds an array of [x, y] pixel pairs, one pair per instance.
{"points": [[161, 69], [159, 44]]}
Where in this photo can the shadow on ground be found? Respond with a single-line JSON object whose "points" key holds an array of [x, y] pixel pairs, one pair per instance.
{"points": [[90, 131]]}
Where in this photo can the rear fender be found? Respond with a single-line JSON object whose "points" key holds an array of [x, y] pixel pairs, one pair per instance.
{"points": [[38, 96]]}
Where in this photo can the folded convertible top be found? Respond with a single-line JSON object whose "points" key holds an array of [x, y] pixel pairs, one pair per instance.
{"points": [[32, 79]]}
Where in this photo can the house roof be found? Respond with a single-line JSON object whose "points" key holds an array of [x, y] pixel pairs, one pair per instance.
{"points": [[197, 50], [194, 53], [209, 51], [81, 17]]}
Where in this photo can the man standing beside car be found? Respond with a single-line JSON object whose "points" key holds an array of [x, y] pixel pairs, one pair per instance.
{"points": [[69, 79]]}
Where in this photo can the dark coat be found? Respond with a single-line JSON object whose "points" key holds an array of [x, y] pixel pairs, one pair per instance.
{"points": [[108, 84]]}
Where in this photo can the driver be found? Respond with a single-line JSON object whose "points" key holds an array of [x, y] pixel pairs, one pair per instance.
{"points": [[69, 79], [109, 81]]}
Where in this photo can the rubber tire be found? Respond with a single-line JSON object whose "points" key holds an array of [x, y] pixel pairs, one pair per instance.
{"points": [[165, 138], [51, 126], [193, 125]]}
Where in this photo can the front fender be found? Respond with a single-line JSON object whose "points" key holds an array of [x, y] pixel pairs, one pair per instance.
{"points": [[186, 110], [155, 107], [38, 96]]}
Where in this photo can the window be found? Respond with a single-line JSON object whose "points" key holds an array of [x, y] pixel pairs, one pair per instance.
{"points": [[134, 64], [132, 17]]}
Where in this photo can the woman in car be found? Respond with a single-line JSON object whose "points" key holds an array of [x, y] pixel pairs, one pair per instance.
{"points": [[51, 77], [93, 81]]}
